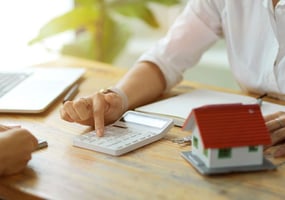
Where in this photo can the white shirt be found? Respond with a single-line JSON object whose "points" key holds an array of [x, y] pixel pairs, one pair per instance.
{"points": [[255, 38]]}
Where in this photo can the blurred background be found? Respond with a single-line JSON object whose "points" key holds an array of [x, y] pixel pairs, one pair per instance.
{"points": [[23, 21], [20, 21]]}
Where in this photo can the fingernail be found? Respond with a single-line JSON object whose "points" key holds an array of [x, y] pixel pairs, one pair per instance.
{"points": [[100, 132]]}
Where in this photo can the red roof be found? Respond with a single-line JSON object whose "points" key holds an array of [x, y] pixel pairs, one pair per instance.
{"points": [[229, 125]]}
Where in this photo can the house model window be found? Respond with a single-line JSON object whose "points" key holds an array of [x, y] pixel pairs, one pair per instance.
{"points": [[227, 137], [225, 153]]}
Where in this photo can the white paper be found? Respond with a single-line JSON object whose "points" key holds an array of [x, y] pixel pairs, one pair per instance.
{"points": [[179, 107]]}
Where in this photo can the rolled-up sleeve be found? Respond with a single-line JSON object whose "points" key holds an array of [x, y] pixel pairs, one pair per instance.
{"points": [[183, 45]]}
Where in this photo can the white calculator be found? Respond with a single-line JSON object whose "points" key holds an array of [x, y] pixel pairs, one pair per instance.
{"points": [[131, 131]]}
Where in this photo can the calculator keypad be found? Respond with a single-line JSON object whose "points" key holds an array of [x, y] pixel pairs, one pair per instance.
{"points": [[133, 130], [115, 138]]}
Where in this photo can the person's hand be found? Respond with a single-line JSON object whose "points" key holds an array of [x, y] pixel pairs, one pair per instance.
{"points": [[16, 147], [4, 127], [96, 110], [276, 125]]}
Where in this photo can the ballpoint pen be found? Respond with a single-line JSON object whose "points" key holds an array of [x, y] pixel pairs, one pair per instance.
{"points": [[71, 93], [259, 99]]}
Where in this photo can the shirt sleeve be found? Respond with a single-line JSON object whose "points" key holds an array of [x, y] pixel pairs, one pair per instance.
{"points": [[184, 43]]}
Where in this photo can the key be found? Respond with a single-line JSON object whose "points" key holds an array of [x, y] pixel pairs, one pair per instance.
{"points": [[187, 139]]}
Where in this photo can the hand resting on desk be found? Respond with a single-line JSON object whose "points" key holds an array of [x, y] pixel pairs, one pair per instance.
{"points": [[276, 125], [16, 147]]}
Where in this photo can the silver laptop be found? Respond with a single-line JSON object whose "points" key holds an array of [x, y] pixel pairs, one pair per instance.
{"points": [[33, 90]]}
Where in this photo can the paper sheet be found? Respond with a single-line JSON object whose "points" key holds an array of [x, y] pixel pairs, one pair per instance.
{"points": [[179, 107]]}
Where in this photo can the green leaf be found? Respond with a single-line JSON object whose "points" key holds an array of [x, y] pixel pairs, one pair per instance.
{"points": [[103, 46], [99, 35], [166, 2], [73, 20], [86, 2], [116, 36], [138, 10]]}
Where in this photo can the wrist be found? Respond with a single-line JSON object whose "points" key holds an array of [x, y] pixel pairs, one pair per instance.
{"points": [[120, 93]]}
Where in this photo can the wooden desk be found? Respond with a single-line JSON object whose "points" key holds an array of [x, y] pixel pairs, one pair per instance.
{"points": [[156, 171]]}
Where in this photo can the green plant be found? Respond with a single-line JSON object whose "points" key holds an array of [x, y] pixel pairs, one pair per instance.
{"points": [[100, 33]]}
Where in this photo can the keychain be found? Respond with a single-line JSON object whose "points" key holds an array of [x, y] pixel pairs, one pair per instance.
{"points": [[184, 140]]}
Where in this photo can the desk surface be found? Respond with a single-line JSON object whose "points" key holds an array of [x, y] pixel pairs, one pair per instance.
{"points": [[156, 171]]}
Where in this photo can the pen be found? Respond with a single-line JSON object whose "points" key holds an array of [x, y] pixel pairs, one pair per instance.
{"points": [[41, 144], [259, 99], [71, 93]]}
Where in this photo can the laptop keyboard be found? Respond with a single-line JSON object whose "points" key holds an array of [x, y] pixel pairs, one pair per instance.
{"points": [[10, 80]]}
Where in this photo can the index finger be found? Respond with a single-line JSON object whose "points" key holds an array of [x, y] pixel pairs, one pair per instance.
{"points": [[99, 107]]}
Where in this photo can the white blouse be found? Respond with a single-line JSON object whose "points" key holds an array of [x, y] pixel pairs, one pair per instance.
{"points": [[255, 38]]}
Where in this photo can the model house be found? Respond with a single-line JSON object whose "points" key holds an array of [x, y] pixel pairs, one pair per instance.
{"points": [[227, 136]]}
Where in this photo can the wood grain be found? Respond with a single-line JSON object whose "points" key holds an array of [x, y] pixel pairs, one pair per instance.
{"points": [[156, 171]]}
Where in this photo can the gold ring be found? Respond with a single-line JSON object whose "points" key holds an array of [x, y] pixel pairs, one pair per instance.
{"points": [[278, 120]]}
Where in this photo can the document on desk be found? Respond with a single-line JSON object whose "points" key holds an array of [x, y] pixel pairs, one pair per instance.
{"points": [[179, 107]]}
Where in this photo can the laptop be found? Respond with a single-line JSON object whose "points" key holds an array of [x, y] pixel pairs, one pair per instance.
{"points": [[33, 90]]}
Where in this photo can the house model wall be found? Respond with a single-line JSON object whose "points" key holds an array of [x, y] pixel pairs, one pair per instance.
{"points": [[228, 135]]}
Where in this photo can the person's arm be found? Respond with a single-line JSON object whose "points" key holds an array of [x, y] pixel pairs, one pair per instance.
{"points": [[16, 147], [146, 81], [142, 84]]}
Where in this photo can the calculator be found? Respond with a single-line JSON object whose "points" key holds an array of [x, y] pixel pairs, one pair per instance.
{"points": [[132, 131]]}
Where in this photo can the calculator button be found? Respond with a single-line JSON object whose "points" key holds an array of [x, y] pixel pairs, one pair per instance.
{"points": [[119, 140]]}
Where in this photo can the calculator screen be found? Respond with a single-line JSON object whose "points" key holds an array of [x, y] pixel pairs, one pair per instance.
{"points": [[147, 121]]}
